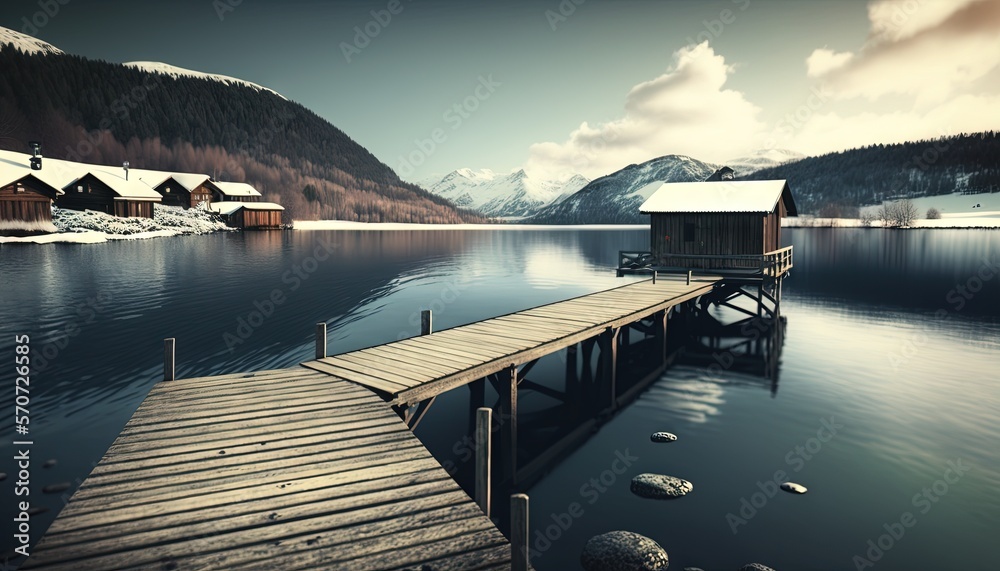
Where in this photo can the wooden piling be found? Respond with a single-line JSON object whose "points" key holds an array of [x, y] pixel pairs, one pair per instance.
{"points": [[321, 340], [426, 327], [689, 277], [484, 451], [508, 419], [519, 560], [168, 358]]}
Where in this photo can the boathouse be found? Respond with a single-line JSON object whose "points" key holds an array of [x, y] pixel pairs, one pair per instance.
{"points": [[185, 189], [250, 215], [113, 194], [234, 192], [718, 225], [25, 200]]}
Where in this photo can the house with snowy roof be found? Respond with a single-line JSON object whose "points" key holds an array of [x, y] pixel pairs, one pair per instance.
{"points": [[26, 197], [186, 190], [105, 191], [235, 192], [718, 224]]}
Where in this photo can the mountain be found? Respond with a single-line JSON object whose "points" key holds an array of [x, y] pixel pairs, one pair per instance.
{"points": [[26, 44], [160, 117], [510, 195], [835, 182], [762, 159], [615, 198]]}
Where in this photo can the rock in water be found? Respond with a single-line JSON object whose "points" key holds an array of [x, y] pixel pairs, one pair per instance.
{"points": [[662, 437], [755, 567], [623, 551], [793, 488], [660, 487]]}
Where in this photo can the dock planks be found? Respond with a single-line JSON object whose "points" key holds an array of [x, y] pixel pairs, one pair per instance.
{"points": [[409, 371], [286, 469]]}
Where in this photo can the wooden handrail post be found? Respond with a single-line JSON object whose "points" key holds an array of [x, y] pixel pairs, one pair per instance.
{"points": [[519, 533], [426, 324], [321, 340], [484, 454], [168, 358], [689, 277]]}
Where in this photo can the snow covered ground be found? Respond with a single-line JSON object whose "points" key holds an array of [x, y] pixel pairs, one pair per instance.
{"points": [[89, 227], [957, 211]]}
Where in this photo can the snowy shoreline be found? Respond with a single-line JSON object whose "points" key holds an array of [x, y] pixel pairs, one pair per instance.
{"points": [[89, 227]]}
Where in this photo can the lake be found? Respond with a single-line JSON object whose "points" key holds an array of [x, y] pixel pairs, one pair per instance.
{"points": [[885, 404]]}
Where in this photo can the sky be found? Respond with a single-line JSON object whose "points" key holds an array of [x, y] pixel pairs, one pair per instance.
{"points": [[573, 86]]}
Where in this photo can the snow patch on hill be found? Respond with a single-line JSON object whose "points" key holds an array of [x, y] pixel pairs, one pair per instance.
{"points": [[512, 195], [26, 43], [174, 71]]}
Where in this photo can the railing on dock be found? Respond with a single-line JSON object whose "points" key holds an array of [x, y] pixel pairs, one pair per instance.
{"points": [[772, 264]]}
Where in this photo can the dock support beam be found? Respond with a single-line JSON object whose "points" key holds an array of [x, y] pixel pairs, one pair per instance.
{"points": [[519, 560], [508, 417], [321, 340], [609, 364], [484, 450], [168, 359], [426, 325]]}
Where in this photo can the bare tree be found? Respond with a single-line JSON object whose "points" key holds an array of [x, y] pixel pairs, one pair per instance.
{"points": [[867, 217], [933, 214]]}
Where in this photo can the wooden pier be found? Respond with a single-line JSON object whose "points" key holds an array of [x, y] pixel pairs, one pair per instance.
{"points": [[311, 467]]}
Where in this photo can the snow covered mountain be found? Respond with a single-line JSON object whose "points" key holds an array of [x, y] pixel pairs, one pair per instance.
{"points": [[511, 195], [25, 43], [174, 71], [762, 159], [615, 198]]}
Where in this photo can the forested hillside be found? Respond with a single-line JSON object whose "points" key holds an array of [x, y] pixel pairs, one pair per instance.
{"points": [[98, 112], [968, 163]]}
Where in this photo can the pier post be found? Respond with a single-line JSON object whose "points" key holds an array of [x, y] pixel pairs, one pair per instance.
{"points": [[321, 340], [519, 552], [654, 276], [660, 323], [168, 359], [484, 449], [689, 277], [426, 327], [609, 364], [508, 419]]}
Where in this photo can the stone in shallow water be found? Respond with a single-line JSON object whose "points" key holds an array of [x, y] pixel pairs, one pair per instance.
{"points": [[623, 551], [660, 487], [662, 437], [755, 567], [793, 488]]}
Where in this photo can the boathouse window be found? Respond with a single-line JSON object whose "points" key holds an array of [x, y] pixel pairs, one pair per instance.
{"points": [[689, 231], [18, 188], [79, 188], [168, 190]]}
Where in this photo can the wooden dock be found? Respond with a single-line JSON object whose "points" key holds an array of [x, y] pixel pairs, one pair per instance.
{"points": [[312, 468], [285, 469]]}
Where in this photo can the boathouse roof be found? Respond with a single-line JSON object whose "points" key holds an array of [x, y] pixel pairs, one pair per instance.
{"points": [[227, 208], [720, 196], [237, 189]]}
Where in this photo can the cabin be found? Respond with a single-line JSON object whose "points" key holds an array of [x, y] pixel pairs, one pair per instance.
{"points": [[184, 189], [719, 224], [25, 201], [234, 192], [250, 215], [109, 193]]}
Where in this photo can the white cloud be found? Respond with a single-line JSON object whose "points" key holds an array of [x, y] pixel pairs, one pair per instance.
{"points": [[930, 49], [823, 61], [686, 111]]}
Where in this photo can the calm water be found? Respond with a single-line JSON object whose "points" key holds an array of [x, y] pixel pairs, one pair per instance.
{"points": [[880, 343]]}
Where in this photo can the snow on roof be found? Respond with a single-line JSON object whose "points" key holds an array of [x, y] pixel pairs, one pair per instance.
{"points": [[126, 189], [721, 196], [189, 181], [15, 166], [174, 71], [237, 189], [227, 208], [26, 43]]}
